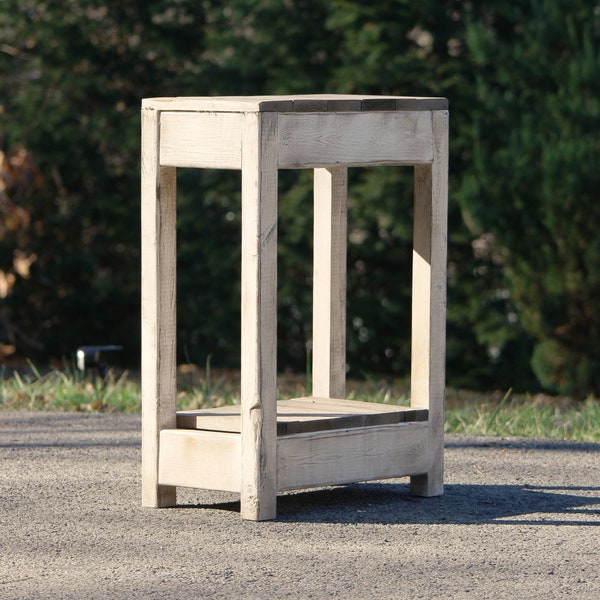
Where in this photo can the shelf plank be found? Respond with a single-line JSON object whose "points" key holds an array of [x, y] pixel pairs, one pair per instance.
{"points": [[304, 415]]}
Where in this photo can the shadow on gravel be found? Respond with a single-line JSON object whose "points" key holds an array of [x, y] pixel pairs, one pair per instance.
{"points": [[523, 444], [387, 503]]}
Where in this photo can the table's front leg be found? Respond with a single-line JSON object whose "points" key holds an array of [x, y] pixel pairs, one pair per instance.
{"points": [[428, 346], [259, 317], [158, 310]]}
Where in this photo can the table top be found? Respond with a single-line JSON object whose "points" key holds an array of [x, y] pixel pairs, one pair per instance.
{"points": [[296, 103]]}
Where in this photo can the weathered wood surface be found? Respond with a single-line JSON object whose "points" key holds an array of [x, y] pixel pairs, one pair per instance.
{"points": [[259, 134], [301, 415], [201, 140], [259, 316], [345, 456], [428, 349], [158, 309], [296, 103], [207, 460], [214, 140], [211, 459], [329, 283], [354, 139]]}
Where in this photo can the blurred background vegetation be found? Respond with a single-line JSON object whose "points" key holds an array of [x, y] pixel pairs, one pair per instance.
{"points": [[523, 82]]}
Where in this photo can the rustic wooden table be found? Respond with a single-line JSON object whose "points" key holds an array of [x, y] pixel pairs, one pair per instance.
{"points": [[264, 446]]}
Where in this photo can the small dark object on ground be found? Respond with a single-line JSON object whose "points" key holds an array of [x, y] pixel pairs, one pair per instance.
{"points": [[90, 357]]}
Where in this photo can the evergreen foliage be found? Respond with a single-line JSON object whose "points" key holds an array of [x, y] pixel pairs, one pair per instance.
{"points": [[524, 261], [532, 181]]}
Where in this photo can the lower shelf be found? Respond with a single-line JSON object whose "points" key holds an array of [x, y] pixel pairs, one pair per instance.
{"points": [[212, 459], [303, 415]]}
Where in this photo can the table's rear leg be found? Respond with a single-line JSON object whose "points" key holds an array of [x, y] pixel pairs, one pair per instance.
{"points": [[329, 283]]}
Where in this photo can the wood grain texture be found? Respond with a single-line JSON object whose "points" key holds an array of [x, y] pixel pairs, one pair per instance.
{"points": [[329, 283], [429, 301], [326, 103], [296, 103], [259, 316], [345, 456], [208, 460], [321, 440], [201, 140], [158, 309], [354, 139], [301, 415]]}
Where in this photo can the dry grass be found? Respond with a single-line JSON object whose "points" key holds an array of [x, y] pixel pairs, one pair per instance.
{"points": [[495, 413]]}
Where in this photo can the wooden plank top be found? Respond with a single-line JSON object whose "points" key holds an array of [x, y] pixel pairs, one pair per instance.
{"points": [[297, 103], [303, 415]]}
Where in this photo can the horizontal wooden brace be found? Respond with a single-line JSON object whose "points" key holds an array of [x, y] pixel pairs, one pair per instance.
{"points": [[201, 140], [354, 139], [211, 459], [208, 140], [345, 456], [200, 459]]}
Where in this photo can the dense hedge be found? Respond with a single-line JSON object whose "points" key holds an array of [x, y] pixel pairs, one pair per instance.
{"points": [[524, 257]]}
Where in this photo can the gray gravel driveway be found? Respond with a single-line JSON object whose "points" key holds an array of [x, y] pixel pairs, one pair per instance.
{"points": [[519, 519]]}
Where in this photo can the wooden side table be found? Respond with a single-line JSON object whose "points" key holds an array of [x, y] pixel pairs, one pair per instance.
{"points": [[264, 446]]}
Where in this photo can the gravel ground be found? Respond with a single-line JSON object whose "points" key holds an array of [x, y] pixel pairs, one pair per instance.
{"points": [[519, 519]]}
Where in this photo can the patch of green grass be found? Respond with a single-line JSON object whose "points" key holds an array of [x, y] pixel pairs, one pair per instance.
{"points": [[539, 416], [67, 390], [533, 416]]}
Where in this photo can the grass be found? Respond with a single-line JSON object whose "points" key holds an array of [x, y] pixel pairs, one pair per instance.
{"points": [[531, 416], [496, 414], [68, 390]]}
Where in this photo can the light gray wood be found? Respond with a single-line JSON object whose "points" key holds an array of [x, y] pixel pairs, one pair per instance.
{"points": [[224, 418], [208, 460], [325, 440], [327, 103], [329, 283], [201, 140], [241, 104], [354, 139], [300, 415], [213, 140], [259, 316], [158, 310], [429, 302], [297, 103], [362, 454], [373, 409]]}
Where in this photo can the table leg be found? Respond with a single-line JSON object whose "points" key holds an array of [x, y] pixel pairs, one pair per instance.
{"points": [[259, 317], [428, 346], [158, 310], [329, 283]]}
